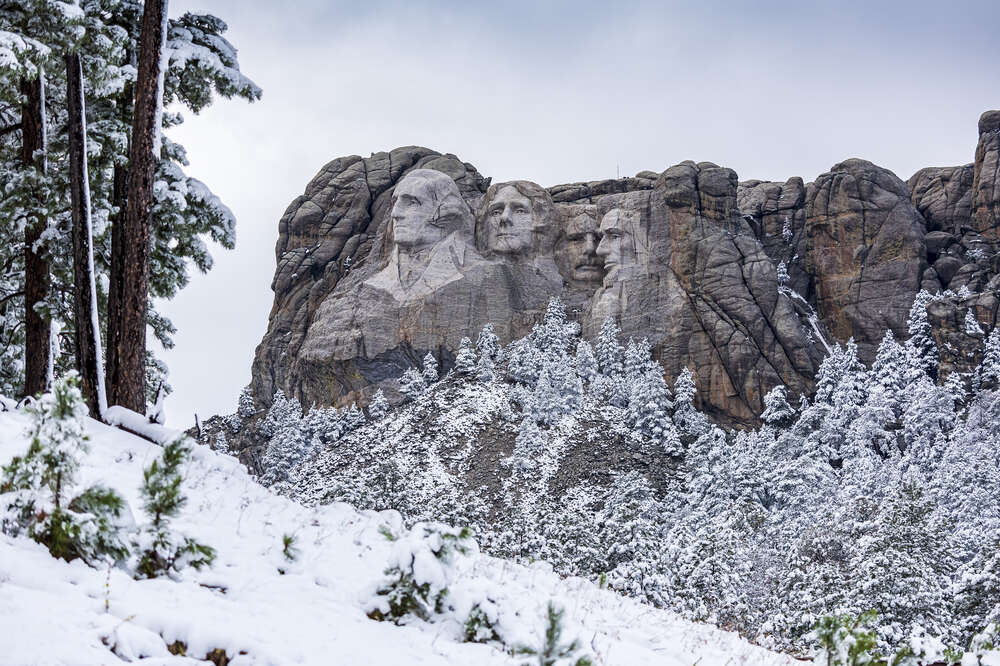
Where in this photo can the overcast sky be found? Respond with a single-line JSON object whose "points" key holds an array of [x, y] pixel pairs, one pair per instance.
{"points": [[557, 92]]}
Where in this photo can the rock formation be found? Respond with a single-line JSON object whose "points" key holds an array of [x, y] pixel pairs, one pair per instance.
{"points": [[386, 258]]}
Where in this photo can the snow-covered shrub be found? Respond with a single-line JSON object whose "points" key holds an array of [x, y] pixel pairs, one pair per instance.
{"points": [[162, 551], [423, 563], [551, 651], [846, 641], [38, 492], [984, 649]]}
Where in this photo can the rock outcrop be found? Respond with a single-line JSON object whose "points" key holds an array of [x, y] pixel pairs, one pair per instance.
{"points": [[386, 258]]}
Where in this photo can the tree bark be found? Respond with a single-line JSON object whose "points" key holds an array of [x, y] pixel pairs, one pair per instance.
{"points": [[87, 331], [37, 328], [129, 376], [119, 195]]}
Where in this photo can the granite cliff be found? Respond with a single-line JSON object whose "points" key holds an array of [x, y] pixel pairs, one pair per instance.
{"points": [[386, 258]]}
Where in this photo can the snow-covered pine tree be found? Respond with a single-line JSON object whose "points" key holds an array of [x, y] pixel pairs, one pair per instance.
{"points": [[547, 404], [608, 349], [430, 369], [649, 411], [246, 409], [638, 360], [987, 374], [488, 345], [920, 346], [412, 384], [221, 444], [288, 446], [777, 412], [162, 550], [553, 334], [890, 371], [465, 360], [282, 410], [378, 407], [901, 566], [686, 417], [353, 418], [630, 537], [524, 362], [586, 362], [782, 274], [562, 374], [39, 494]]}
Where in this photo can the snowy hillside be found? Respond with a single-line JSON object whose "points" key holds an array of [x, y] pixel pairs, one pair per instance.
{"points": [[53, 612]]}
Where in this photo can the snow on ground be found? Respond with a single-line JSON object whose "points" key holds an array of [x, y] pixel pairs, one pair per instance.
{"points": [[53, 612]]}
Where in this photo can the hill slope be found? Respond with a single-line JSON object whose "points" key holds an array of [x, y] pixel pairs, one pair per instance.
{"points": [[55, 612]]}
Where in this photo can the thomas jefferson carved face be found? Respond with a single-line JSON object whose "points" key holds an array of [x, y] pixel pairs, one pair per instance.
{"points": [[576, 252], [509, 221], [427, 206], [620, 247]]}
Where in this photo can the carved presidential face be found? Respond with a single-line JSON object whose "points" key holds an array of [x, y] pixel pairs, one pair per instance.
{"points": [[509, 222], [619, 246], [426, 207], [576, 252], [413, 210]]}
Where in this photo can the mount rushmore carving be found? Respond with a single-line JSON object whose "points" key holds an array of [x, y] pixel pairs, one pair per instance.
{"points": [[386, 258]]}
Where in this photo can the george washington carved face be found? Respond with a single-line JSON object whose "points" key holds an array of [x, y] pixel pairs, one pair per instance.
{"points": [[427, 206]]}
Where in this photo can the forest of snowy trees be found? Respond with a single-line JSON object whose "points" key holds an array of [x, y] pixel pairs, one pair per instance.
{"points": [[881, 492]]}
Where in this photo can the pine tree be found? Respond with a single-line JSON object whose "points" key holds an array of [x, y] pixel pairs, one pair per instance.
{"points": [[553, 334], [782, 274], [524, 362], [354, 418], [246, 408], [630, 536], [548, 406], [649, 411], [777, 412], [412, 384], [465, 360], [430, 369], [987, 375], [289, 445], [163, 551], [686, 417], [488, 346], [378, 407], [901, 565], [921, 347], [586, 362], [37, 489], [608, 349], [552, 651]]}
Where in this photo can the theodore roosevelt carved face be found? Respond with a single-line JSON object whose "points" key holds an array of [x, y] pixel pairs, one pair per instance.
{"points": [[576, 250]]}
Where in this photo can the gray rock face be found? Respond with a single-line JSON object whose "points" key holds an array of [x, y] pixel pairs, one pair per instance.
{"points": [[865, 250], [388, 257], [986, 178]]}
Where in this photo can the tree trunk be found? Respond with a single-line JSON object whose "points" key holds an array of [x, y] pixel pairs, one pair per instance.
{"points": [[87, 329], [130, 347], [37, 329], [119, 199]]}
